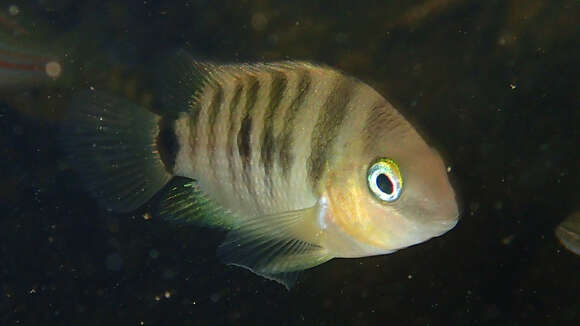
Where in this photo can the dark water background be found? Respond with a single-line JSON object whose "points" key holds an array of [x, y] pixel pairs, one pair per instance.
{"points": [[494, 85]]}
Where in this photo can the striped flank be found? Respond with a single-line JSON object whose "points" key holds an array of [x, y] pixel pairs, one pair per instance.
{"points": [[213, 112], [330, 119], [245, 132], [268, 144], [284, 146], [231, 121]]}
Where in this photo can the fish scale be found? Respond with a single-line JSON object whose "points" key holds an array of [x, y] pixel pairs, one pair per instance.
{"points": [[247, 127]]}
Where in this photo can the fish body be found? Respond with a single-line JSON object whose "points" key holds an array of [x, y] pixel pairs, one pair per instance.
{"points": [[568, 232], [299, 162]]}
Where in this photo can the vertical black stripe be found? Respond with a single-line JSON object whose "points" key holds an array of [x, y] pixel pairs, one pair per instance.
{"points": [[243, 139], [285, 141], [277, 89], [327, 126], [213, 112], [244, 135], [167, 143], [234, 104]]}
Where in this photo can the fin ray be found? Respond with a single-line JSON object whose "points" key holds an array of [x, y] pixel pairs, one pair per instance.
{"points": [[185, 203], [267, 246], [111, 142], [181, 79]]}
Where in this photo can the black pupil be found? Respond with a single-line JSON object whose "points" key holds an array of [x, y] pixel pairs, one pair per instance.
{"points": [[385, 184]]}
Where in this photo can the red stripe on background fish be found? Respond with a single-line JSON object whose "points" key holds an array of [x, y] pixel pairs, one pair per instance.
{"points": [[21, 66], [23, 56]]}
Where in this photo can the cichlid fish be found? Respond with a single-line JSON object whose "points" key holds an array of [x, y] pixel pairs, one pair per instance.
{"points": [[568, 232], [299, 162]]}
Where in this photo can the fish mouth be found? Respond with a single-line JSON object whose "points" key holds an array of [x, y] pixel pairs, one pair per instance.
{"points": [[440, 227]]}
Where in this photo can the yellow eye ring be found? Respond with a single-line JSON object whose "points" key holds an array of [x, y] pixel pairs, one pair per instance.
{"points": [[385, 180]]}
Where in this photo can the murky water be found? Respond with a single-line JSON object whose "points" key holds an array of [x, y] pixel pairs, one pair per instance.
{"points": [[493, 85]]}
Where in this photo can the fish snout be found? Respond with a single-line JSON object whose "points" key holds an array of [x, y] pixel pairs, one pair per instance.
{"points": [[446, 218]]}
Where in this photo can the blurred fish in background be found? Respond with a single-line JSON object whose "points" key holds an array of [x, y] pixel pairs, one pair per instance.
{"points": [[53, 62], [24, 60], [22, 67]]}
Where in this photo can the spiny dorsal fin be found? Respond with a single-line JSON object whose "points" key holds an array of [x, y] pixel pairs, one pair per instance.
{"points": [[267, 246], [181, 78], [185, 203]]}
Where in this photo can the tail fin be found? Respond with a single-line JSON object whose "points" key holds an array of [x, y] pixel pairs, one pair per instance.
{"points": [[112, 143]]}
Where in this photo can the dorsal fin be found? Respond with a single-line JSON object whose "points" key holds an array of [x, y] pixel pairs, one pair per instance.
{"points": [[181, 79]]}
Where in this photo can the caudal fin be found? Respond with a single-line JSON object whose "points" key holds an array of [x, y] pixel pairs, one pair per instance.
{"points": [[112, 144]]}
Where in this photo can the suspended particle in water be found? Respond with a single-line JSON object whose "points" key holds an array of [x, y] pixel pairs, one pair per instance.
{"points": [[53, 69], [13, 10]]}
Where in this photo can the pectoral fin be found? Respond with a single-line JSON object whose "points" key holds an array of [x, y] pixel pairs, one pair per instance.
{"points": [[270, 246], [185, 203]]}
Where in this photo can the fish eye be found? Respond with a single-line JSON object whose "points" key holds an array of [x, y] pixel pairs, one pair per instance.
{"points": [[385, 180]]}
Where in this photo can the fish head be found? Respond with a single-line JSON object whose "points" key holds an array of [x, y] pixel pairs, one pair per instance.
{"points": [[390, 193]]}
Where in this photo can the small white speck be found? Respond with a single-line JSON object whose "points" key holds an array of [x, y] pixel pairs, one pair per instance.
{"points": [[449, 169], [409, 276]]}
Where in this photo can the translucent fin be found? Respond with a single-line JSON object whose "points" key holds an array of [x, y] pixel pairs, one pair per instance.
{"points": [[111, 142], [181, 79], [568, 232], [185, 203], [267, 246]]}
